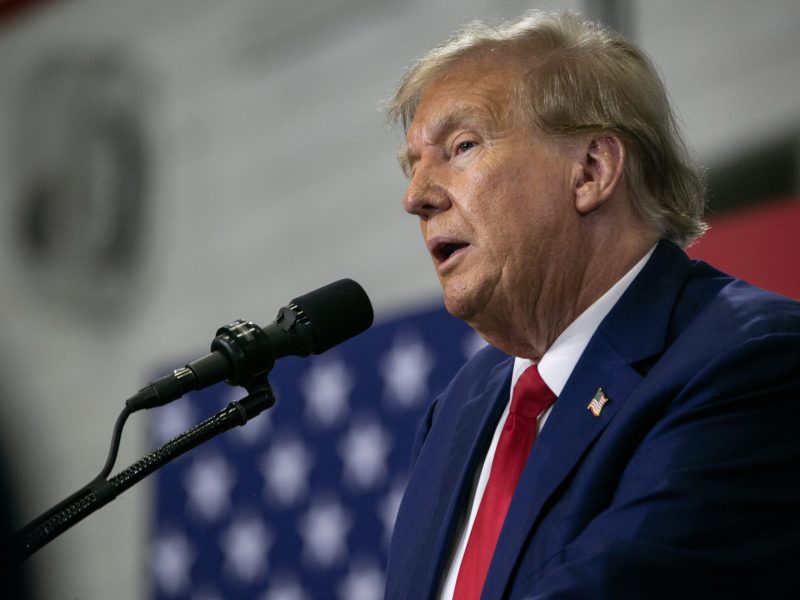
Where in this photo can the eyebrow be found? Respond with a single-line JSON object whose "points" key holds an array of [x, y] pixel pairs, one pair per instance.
{"points": [[444, 124], [403, 160]]}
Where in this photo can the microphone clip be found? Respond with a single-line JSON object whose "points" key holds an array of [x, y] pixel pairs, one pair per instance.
{"points": [[247, 349]]}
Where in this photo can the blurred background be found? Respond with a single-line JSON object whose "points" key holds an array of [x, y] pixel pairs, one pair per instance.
{"points": [[167, 166]]}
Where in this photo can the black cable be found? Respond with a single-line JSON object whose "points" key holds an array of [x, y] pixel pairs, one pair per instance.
{"points": [[97, 482], [116, 438], [100, 491]]}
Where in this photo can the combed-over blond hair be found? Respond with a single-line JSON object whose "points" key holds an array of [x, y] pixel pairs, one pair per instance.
{"points": [[584, 78]]}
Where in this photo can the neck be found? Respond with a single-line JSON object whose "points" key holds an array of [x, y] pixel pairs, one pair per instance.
{"points": [[528, 329]]}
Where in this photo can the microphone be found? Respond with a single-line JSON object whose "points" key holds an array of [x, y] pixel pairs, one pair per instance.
{"points": [[242, 352]]}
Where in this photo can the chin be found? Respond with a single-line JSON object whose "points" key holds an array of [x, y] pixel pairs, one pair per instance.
{"points": [[482, 309], [457, 310], [456, 303], [463, 302]]}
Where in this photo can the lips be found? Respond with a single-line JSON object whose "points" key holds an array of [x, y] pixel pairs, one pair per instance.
{"points": [[442, 248]]}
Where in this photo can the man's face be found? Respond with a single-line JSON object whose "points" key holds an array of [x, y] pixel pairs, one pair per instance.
{"points": [[494, 198]]}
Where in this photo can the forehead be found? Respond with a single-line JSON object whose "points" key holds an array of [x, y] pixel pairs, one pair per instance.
{"points": [[475, 90]]}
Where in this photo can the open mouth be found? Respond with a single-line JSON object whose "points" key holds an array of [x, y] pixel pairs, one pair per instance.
{"points": [[444, 250]]}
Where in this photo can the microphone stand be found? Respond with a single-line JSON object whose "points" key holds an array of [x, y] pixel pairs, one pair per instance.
{"points": [[101, 491]]}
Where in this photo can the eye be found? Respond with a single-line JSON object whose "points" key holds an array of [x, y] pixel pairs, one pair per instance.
{"points": [[465, 146]]}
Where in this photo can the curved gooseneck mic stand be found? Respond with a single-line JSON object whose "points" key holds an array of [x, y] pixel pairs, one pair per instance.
{"points": [[100, 491]]}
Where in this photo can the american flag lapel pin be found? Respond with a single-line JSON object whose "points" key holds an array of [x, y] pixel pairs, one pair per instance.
{"points": [[598, 402]]}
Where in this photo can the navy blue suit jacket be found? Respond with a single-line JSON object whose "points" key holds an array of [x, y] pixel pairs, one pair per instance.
{"points": [[687, 485]]}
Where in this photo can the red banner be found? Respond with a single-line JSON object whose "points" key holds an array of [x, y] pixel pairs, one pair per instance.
{"points": [[760, 244]]}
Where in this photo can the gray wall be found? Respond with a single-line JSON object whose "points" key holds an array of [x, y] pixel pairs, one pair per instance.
{"points": [[249, 163]]}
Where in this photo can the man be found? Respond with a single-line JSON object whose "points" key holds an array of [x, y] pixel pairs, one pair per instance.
{"points": [[554, 195]]}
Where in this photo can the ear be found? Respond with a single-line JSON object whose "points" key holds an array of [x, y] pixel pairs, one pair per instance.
{"points": [[602, 163]]}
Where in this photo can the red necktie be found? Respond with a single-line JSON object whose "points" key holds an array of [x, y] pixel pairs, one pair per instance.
{"points": [[531, 398]]}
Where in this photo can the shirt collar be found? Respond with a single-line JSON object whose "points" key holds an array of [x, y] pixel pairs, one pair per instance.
{"points": [[559, 360]]}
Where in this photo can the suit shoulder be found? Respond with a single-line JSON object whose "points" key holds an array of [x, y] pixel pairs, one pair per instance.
{"points": [[747, 308]]}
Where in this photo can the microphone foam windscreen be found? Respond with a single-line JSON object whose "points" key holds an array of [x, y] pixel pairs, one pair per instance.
{"points": [[337, 312]]}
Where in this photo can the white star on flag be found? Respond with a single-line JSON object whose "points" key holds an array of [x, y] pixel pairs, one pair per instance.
{"points": [[208, 484], [324, 531], [283, 587], [405, 369], [171, 560], [363, 450], [364, 581], [246, 544], [327, 389], [285, 468]]}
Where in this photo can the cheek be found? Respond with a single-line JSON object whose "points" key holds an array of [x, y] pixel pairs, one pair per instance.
{"points": [[486, 197], [506, 206]]}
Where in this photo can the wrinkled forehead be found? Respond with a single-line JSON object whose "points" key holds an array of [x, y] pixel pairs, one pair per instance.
{"points": [[497, 71], [467, 92]]}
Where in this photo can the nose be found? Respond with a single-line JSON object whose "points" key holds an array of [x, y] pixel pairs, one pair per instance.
{"points": [[425, 196]]}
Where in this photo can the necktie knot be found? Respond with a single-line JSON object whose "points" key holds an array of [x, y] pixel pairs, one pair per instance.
{"points": [[531, 395]]}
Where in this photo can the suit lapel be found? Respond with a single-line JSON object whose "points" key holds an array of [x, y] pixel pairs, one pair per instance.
{"points": [[627, 335], [474, 427], [569, 432]]}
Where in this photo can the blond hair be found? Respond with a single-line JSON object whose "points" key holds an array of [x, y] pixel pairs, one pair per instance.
{"points": [[584, 78]]}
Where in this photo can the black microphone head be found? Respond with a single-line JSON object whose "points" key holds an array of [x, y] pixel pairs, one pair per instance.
{"points": [[336, 312]]}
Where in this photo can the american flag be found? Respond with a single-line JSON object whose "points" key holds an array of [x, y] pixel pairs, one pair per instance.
{"points": [[598, 402], [300, 502]]}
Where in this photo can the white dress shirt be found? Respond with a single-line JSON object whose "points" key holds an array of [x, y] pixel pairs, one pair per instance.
{"points": [[555, 367]]}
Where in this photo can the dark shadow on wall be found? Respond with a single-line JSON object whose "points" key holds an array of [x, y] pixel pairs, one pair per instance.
{"points": [[768, 171]]}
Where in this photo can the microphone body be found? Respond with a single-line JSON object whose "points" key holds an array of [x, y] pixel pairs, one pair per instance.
{"points": [[242, 352]]}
